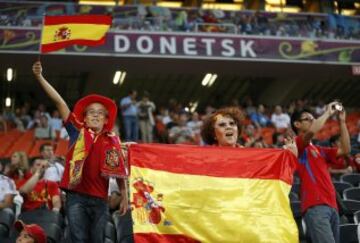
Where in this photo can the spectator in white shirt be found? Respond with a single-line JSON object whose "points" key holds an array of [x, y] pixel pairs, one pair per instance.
{"points": [[7, 192], [55, 170], [279, 119]]}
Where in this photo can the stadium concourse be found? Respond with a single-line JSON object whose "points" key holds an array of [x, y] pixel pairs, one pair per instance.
{"points": [[215, 59]]}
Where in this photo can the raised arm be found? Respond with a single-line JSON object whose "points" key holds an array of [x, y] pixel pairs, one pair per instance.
{"points": [[345, 146], [320, 122], [50, 91]]}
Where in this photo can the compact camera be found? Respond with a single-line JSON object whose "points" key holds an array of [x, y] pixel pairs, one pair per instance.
{"points": [[338, 107]]}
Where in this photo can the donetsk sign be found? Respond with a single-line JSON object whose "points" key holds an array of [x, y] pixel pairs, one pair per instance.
{"points": [[217, 46]]}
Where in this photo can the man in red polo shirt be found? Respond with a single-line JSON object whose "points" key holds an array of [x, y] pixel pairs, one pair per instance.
{"points": [[94, 156], [318, 195]]}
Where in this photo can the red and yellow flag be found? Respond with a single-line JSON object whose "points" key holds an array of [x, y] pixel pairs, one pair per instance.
{"points": [[62, 31], [210, 194]]}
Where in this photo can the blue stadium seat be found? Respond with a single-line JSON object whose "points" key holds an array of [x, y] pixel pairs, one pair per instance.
{"points": [[340, 187], [352, 193], [353, 179], [7, 218], [348, 233], [357, 217]]}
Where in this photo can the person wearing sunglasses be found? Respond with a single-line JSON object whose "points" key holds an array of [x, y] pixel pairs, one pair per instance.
{"points": [[317, 192]]}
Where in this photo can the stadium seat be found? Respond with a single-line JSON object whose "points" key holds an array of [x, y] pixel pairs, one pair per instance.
{"points": [[357, 217], [340, 187], [7, 218], [62, 147], [353, 179], [352, 206], [23, 143], [348, 233], [352, 193], [42, 216]]}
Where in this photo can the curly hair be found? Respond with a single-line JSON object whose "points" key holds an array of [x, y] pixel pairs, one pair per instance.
{"points": [[208, 127]]}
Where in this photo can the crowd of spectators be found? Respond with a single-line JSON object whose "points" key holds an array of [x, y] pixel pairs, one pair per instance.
{"points": [[31, 184], [155, 18], [143, 121]]}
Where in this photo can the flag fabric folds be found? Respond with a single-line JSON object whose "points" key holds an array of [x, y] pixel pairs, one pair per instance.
{"points": [[62, 31], [182, 193]]}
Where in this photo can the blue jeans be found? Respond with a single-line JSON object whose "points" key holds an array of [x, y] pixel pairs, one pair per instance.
{"points": [[131, 126], [124, 227], [322, 223], [87, 218]]}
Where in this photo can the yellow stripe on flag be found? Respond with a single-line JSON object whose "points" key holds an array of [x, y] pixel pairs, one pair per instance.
{"points": [[67, 32], [212, 209]]}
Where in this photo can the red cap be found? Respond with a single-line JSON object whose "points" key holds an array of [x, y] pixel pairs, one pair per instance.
{"points": [[110, 106], [32, 229]]}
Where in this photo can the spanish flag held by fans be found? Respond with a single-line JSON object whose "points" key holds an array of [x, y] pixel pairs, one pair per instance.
{"points": [[62, 31], [186, 194]]}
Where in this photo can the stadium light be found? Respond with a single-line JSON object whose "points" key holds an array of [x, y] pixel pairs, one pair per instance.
{"points": [[9, 74], [212, 80], [116, 77], [122, 77], [206, 79], [187, 109], [7, 102]]}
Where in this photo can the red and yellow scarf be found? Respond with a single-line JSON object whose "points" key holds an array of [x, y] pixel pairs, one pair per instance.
{"points": [[112, 158]]}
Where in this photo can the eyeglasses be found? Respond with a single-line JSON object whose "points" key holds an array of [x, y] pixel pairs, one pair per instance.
{"points": [[96, 112], [307, 119]]}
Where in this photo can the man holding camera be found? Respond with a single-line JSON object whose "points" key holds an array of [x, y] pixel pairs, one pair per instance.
{"points": [[38, 192], [55, 170], [318, 195]]}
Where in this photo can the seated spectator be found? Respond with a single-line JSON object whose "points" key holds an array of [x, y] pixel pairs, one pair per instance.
{"points": [[55, 169], [7, 192], [55, 121], [44, 130], [181, 134], [344, 164], [195, 125], [39, 193], [279, 119], [259, 118], [18, 168], [35, 122], [29, 233]]}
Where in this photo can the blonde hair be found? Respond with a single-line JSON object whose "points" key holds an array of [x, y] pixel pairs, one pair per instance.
{"points": [[23, 160]]}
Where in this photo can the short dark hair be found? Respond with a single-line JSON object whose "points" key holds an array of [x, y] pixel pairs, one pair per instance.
{"points": [[296, 116], [42, 147]]}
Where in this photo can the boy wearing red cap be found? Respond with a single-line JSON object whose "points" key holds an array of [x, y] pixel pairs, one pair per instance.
{"points": [[94, 155], [29, 233]]}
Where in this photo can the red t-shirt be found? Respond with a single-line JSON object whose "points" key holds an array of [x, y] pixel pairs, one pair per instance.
{"points": [[92, 183], [15, 176], [42, 193], [343, 163], [316, 185]]}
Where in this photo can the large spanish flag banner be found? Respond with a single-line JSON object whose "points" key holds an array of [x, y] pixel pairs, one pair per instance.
{"points": [[188, 194], [62, 31]]}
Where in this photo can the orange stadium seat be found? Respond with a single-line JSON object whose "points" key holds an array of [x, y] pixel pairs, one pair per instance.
{"points": [[62, 147], [7, 140], [23, 143]]}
